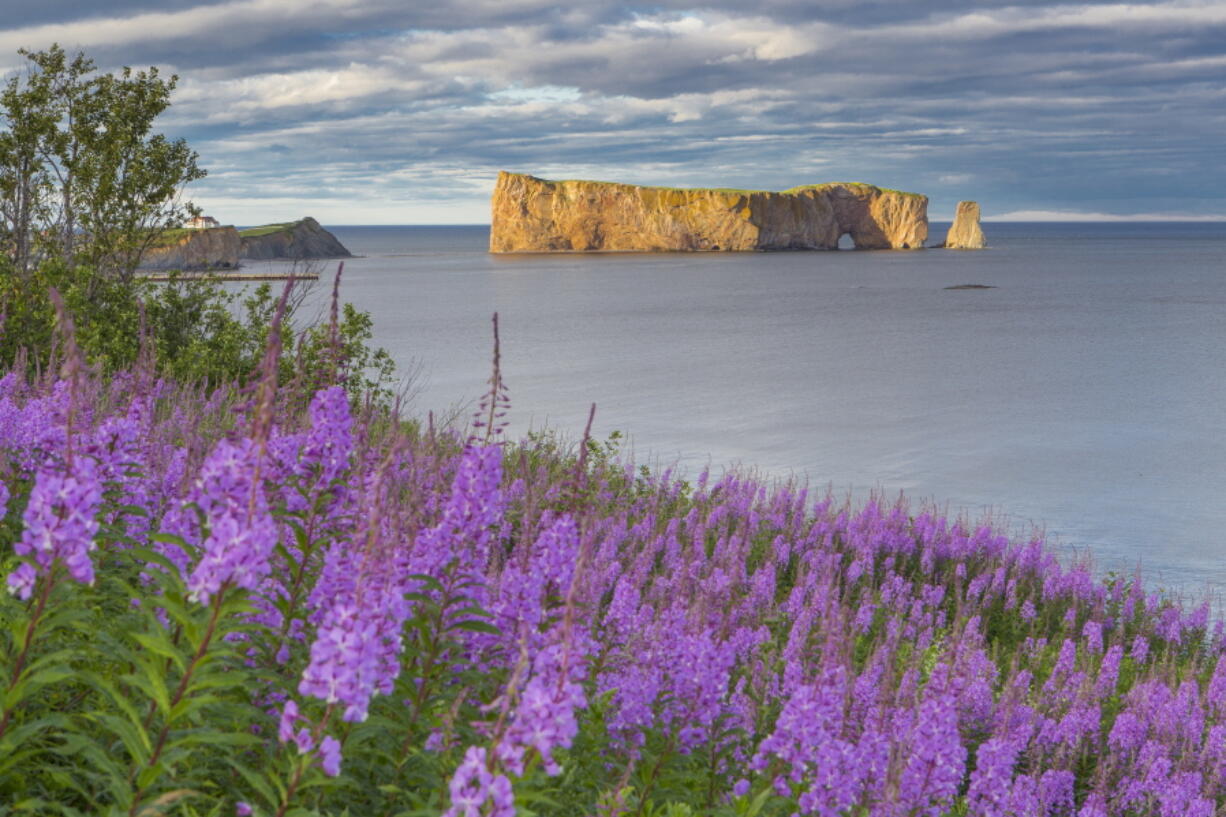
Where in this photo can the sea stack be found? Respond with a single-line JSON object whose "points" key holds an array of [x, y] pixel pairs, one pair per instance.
{"points": [[965, 233], [536, 215]]}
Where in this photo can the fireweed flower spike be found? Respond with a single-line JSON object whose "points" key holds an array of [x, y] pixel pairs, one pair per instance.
{"points": [[60, 524], [241, 533], [473, 786], [330, 756]]}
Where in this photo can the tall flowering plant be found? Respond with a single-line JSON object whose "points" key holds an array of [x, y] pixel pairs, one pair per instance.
{"points": [[237, 602]]}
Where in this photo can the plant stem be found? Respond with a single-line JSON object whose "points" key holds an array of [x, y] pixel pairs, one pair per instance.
{"points": [[655, 771], [180, 691], [291, 789], [18, 666]]}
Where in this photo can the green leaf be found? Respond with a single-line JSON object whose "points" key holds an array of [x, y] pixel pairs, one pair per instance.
{"points": [[149, 774], [169, 538], [257, 782], [133, 736], [158, 643], [152, 682], [476, 627]]}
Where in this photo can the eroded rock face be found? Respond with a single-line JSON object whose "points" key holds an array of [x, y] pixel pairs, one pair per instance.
{"points": [[535, 215], [216, 248], [965, 233], [299, 240]]}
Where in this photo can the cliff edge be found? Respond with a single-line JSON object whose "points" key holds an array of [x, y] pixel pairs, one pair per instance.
{"points": [[216, 248], [293, 240], [536, 215]]}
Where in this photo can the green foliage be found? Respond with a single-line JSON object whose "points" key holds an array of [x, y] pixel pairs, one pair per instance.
{"points": [[736, 190], [268, 229], [196, 330], [84, 180], [85, 188]]}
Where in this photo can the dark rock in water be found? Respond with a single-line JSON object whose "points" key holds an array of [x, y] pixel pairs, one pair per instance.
{"points": [[292, 241], [971, 286], [216, 248]]}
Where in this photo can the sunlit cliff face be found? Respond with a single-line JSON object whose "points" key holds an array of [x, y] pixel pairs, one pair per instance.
{"points": [[534, 215]]}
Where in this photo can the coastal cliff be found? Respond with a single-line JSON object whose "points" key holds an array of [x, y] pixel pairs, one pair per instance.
{"points": [[535, 215], [216, 248], [294, 240], [965, 233]]}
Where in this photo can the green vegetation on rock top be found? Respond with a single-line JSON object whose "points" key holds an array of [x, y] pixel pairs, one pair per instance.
{"points": [[268, 229], [167, 238], [743, 191]]}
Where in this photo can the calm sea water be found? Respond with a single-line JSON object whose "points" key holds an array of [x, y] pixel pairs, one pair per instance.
{"points": [[1085, 393]]}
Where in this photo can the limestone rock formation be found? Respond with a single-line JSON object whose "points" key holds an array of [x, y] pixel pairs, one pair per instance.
{"points": [[295, 241], [213, 249], [535, 215], [965, 233]]}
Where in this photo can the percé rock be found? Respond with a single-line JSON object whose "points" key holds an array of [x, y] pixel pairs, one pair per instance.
{"points": [[535, 215], [965, 233], [216, 248], [295, 241]]}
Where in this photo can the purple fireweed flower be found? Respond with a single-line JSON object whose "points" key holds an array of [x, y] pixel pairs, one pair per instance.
{"points": [[988, 795], [60, 524], [1127, 733], [241, 535], [1170, 625], [522, 603], [740, 788], [473, 509], [1140, 649], [289, 716], [1080, 723], [1109, 672], [4, 499], [544, 717], [808, 738], [329, 443], [22, 580], [236, 551], [330, 756], [1056, 792], [937, 760], [1215, 696], [354, 654], [1092, 632], [242, 808], [1094, 806], [303, 740], [473, 786]]}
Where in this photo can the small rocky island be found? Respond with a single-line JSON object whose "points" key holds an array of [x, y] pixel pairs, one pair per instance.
{"points": [[536, 215], [224, 248], [293, 241]]}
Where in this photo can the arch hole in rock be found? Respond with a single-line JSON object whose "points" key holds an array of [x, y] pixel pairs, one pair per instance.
{"points": [[846, 242]]}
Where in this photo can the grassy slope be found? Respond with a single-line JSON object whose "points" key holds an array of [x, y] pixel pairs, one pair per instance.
{"points": [[268, 229]]}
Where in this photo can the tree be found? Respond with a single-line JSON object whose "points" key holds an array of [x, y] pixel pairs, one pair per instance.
{"points": [[84, 180]]}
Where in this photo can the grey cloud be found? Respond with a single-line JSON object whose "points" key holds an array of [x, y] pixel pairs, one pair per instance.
{"points": [[1042, 106]]}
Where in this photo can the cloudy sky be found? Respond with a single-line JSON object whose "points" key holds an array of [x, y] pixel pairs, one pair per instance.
{"points": [[403, 111]]}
